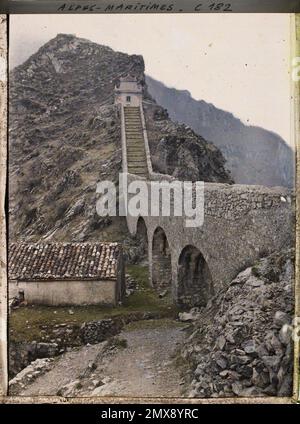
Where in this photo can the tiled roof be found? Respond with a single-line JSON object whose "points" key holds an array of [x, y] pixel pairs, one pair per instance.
{"points": [[56, 261]]}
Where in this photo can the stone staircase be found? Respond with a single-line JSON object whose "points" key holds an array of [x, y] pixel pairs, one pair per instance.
{"points": [[135, 145]]}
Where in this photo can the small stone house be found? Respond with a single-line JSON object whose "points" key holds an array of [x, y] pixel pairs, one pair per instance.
{"points": [[67, 273], [129, 92]]}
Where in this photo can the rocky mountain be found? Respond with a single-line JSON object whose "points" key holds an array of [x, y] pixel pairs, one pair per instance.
{"points": [[241, 343], [254, 155], [64, 137]]}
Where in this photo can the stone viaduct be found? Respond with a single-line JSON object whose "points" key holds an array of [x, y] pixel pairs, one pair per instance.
{"points": [[241, 223]]}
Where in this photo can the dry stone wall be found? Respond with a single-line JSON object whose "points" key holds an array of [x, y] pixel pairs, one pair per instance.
{"points": [[241, 224]]}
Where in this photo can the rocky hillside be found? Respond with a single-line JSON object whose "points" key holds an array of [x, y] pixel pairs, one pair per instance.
{"points": [[254, 155], [241, 344], [65, 137]]}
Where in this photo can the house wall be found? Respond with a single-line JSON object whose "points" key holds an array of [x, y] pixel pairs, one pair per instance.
{"points": [[56, 293], [135, 99]]}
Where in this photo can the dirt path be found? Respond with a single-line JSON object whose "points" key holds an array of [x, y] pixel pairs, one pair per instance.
{"points": [[145, 367]]}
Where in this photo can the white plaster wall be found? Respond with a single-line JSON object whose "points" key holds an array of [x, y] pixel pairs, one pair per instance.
{"points": [[135, 99], [66, 292]]}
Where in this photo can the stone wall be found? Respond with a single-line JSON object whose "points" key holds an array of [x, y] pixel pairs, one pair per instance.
{"points": [[57, 339], [241, 224], [195, 285], [22, 354], [97, 331], [161, 261], [67, 292]]}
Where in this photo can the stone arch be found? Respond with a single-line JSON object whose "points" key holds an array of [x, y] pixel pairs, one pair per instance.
{"points": [[161, 261], [142, 237], [195, 285]]}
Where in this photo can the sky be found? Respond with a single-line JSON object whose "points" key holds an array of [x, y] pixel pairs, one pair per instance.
{"points": [[238, 62]]}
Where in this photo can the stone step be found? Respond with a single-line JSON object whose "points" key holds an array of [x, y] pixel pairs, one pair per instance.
{"points": [[134, 156], [143, 173], [140, 157], [135, 148], [135, 143], [135, 135], [131, 154], [136, 164], [140, 165], [137, 169]]}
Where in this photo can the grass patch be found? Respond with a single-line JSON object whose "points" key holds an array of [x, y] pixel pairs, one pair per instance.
{"points": [[117, 342], [255, 270], [26, 323], [146, 298]]}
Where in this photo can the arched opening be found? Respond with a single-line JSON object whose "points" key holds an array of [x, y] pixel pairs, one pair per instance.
{"points": [[142, 239], [195, 285], [161, 261]]}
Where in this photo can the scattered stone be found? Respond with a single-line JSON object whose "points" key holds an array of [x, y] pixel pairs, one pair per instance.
{"points": [[285, 334], [70, 389], [281, 318], [163, 294], [29, 374], [189, 316], [221, 342], [242, 344], [249, 347]]}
